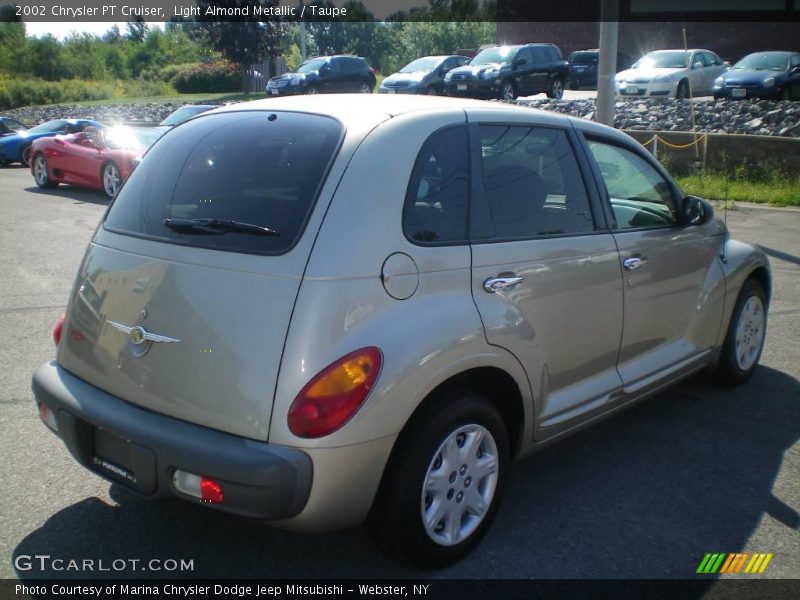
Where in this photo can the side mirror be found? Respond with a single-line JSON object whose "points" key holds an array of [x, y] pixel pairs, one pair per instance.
{"points": [[696, 211], [698, 65], [520, 62], [795, 69], [324, 70]]}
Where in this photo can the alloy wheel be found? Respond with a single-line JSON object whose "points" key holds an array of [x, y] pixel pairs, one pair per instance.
{"points": [[750, 333], [111, 180]]}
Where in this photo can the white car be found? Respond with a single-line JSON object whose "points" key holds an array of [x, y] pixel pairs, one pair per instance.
{"points": [[671, 74]]}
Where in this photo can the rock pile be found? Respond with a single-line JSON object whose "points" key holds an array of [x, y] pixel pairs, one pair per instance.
{"points": [[757, 117], [150, 113]]}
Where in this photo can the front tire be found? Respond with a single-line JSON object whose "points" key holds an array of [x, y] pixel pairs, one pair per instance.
{"points": [[683, 90], [556, 88], [364, 88], [111, 179], [444, 481], [744, 341], [508, 91], [41, 172]]}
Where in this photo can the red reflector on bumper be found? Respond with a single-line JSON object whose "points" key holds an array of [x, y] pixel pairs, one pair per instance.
{"points": [[210, 491]]}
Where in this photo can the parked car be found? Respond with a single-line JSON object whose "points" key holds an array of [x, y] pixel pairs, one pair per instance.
{"points": [[100, 159], [9, 125], [509, 71], [762, 75], [422, 76], [16, 147], [312, 311], [179, 115], [583, 66], [671, 73], [325, 74]]}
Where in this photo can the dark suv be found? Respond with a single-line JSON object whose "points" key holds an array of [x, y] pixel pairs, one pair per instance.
{"points": [[325, 75], [583, 66], [506, 72]]}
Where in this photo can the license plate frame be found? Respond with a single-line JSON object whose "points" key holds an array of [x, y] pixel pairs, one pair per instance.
{"points": [[738, 93], [461, 87]]}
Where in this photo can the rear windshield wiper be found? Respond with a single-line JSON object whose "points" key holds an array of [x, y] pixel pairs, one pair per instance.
{"points": [[217, 226]]}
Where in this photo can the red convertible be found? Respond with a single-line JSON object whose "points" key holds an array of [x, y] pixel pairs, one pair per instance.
{"points": [[96, 158]]}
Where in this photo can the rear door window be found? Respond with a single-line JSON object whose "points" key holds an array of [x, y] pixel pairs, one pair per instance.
{"points": [[531, 184], [250, 167]]}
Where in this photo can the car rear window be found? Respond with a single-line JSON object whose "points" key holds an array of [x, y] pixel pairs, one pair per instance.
{"points": [[253, 167]]}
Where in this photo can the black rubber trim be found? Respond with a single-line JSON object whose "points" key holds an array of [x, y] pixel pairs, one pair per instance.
{"points": [[260, 480]]}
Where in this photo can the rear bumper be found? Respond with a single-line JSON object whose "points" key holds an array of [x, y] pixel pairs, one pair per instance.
{"points": [[260, 480], [473, 88]]}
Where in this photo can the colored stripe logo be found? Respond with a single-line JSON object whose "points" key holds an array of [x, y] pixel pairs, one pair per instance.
{"points": [[733, 563]]}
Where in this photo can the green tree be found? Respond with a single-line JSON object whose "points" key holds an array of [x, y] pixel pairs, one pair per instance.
{"points": [[243, 43], [12, 39], [137, 29], [44, 58]]}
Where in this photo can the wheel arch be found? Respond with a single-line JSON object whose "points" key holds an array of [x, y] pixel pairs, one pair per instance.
{"points": [[497, 385]]}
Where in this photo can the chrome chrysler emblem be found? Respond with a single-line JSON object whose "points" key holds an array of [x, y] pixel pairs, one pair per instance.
{"points": [[140, 338]]}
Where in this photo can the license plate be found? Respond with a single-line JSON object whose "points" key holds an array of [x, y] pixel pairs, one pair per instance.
{"points": [[630, 91], [738, 92], [391, 92], [112, 454], [274, 92], [462, 87], [580, 69]]}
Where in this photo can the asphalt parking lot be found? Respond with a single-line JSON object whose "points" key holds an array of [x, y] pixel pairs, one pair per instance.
{"points": [[644, 494]]}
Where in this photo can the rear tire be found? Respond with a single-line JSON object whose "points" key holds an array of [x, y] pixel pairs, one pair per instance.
{"points": [[444, 481], [312, 90], [111, 179], [556, 88], [25, 155], [744, 341], [364, 88], [41, 172]]}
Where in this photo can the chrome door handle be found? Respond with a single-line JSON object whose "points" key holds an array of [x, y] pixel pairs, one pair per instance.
{"points": [[633, 263], [495, 284]]}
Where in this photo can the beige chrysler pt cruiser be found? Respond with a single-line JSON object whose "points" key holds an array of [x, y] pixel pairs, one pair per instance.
{"points": [[316, 311]]}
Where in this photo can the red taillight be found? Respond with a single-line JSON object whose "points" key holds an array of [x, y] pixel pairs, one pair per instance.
{"points": [[210, 491], [334, 395], [59, 326]]}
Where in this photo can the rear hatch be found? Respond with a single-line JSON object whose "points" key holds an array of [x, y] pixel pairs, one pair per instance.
{"points": [[184, 298]]}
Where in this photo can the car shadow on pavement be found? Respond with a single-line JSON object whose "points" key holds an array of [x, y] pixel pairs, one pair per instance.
{"points": [[80, 195], [645, 494]]}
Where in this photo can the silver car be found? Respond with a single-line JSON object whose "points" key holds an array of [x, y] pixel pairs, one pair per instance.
{"points": [[316, 311]]}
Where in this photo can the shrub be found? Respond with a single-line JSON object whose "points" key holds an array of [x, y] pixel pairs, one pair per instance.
{"points": [[218, 76]]}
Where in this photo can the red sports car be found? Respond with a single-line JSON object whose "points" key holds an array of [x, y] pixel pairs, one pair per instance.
{"points": [[95, 158]]}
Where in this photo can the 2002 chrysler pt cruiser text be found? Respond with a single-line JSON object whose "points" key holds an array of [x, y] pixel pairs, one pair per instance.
{"points": [[318, 311]]}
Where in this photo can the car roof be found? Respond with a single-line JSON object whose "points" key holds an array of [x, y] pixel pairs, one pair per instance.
{"points": [[356, 108]]}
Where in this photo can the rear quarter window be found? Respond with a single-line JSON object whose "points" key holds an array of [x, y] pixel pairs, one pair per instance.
{"points": [[255, 167]]}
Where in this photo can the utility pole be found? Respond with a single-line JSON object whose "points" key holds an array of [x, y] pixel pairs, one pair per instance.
{"points": [[302, 35], [607, 67]]}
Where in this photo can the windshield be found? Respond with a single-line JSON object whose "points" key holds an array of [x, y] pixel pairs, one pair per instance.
{"points": [[501, 54], [762, 62], [119, 138], [13, 125], [180, 115], [421, 64], [49, 126], [664, 59], [311, 65]]}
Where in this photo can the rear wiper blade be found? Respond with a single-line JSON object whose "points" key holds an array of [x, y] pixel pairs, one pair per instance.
{"points": [[217, 226]]}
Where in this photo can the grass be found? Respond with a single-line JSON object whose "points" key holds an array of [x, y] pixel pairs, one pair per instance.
{"points": [[777, 189]]}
